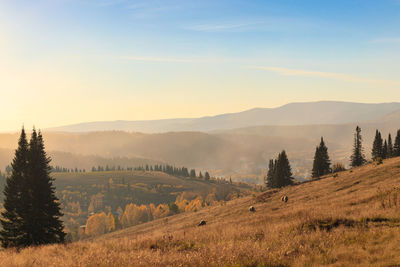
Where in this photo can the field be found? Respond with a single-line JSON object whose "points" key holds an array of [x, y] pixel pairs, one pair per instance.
{"points": [[348, 219]]}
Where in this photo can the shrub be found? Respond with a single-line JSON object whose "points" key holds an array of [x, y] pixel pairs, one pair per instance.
{"points": [[338, 167]]}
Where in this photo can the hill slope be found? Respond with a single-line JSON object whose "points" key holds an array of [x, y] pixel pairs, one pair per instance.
{"points": [[324, 112], [348, 220]]}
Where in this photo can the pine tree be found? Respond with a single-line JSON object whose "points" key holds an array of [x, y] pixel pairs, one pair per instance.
{"points": [[32, 211], [322, 163], [377, 146], [279, 172], [357, 158], [270, 174], [283, 171], [207, 176], [396, 147], [390, 147], [45, 225], [385, 150], [12, 218]]}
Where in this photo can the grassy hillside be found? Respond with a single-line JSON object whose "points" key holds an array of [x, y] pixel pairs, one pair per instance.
{"points": [[345, 220]]}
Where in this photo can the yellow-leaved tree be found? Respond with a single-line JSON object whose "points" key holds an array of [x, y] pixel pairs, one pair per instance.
{"points": [[96, 225]]}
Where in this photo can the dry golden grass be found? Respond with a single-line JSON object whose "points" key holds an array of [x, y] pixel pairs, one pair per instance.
{"points": [[349, 220]]}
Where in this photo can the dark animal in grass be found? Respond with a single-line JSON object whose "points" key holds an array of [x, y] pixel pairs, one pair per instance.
{"points": [[284, 198], [202, 223], [252, 209]]}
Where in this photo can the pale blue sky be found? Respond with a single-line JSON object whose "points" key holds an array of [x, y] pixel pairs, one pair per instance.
{"points": [[68, 61]]}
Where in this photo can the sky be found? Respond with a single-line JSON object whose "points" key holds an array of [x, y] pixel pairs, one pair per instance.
{"points": [[70, 61]]}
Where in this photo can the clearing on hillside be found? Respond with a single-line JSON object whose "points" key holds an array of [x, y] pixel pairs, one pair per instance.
{"points": [[347, 220]]}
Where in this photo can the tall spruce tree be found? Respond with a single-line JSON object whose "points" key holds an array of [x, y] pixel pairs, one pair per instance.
{"points": [[357, 158], [385, 150], [270, 174], [390, 147], [377, 146], [396, 147], [282, 171], [322, 163], [14, 214], [32, 211], [45, 224]]}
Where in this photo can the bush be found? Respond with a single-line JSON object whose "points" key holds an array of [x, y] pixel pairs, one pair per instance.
{"points": [[338, 167]]}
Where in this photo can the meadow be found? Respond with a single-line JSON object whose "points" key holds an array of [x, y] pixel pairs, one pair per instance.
{"points": [[347, 219]]}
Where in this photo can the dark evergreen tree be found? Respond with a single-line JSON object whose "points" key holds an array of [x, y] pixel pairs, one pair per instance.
{"points": [[385, 150], [35, 218], [200, 175], [192, 173], [390, 147], [396, 147], [283, 171], [12, 218], [322, 163], [280, 172], [44, 223], [270, 174], [377, 146], [207, 176], [358, 157]]}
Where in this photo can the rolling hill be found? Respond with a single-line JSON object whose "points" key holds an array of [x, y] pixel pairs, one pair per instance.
{"points": [[348, 219], [309, 113], [238, 152]]}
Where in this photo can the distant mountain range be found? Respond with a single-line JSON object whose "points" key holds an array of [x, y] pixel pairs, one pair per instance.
{"points": [[294, 114], [237, 144]]}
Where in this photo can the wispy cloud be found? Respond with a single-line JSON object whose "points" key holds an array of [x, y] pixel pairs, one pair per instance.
{"points": [[218, 27], [270, 24], [163, 59], [328, 75], [391, 40]]}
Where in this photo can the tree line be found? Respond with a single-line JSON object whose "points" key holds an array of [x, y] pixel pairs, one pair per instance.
{"points": [[169, 169], [279, 171]]}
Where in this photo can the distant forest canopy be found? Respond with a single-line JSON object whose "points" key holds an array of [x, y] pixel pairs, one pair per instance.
{"points": [[169, 169]]}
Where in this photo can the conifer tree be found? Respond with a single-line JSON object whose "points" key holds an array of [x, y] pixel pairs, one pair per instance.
{"points": [[377, 146], [357, 158], [32, 211], [396, 147], [283, 171], [270, 174], [279, 172], [390, 147], [45, 225], [12, 218], [385, 150], [207, 176], [322, 163]]}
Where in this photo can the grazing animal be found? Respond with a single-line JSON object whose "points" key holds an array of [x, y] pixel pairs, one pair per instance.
{"points": [[252, 209], [202, 223]]}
